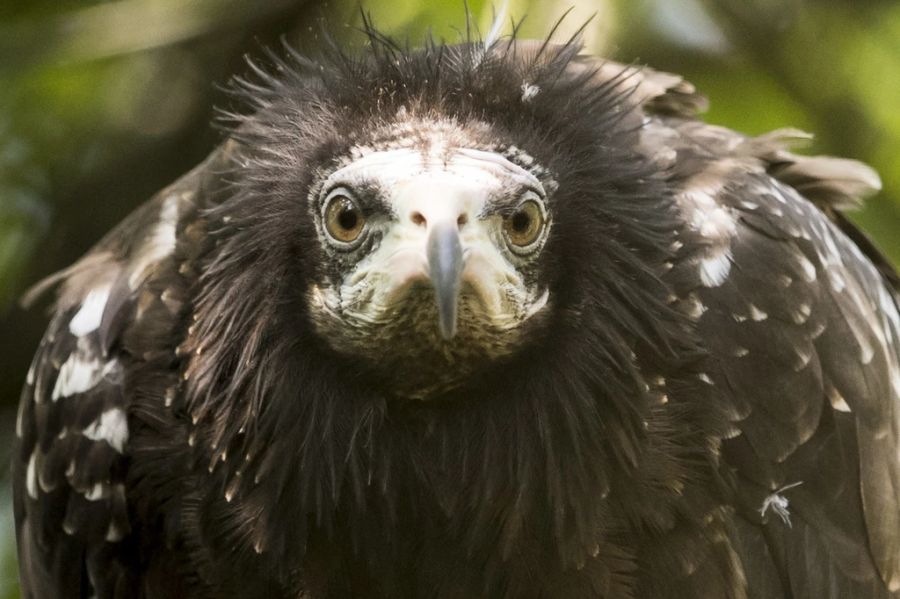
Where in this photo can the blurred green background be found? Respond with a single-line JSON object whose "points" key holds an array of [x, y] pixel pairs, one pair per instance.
{"points": [[103, 103]]}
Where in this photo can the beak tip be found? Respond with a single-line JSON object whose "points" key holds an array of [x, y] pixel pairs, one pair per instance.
{"points": [[448, 330]]}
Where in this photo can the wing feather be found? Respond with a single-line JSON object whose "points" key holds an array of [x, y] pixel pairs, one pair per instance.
{"points": [[802, 327], [116, 310]]}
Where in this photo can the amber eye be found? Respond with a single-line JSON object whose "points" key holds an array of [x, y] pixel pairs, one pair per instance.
{"points": [[344, 220], [524, 226]]}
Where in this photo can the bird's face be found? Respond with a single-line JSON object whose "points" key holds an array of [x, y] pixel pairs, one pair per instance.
{"points": [[432, 249]]}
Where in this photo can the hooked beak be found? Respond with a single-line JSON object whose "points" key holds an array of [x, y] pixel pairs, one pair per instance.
{"points": [[445, 266]]}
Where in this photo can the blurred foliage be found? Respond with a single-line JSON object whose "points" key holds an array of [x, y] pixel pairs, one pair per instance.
{"points": [[103, 103]]}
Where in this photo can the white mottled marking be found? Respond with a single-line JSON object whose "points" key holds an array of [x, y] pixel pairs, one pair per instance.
{"points": [[793, 231], [803, 358], [78, 374], [779, 197], [20, 420], [706, 216], [160, 244], [838, 284], [111, 426], [88, 317], [714, 270], [866, 351], [809, 270], [837, 400], [756, 314], [31, 482], [695, 307], [169, 298], [96, 492], [732, 433], [817, 331], [705, 378], [802, 313]]}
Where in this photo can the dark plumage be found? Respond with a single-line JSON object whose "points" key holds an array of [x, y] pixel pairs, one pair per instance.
{"points": [[616, 403]]}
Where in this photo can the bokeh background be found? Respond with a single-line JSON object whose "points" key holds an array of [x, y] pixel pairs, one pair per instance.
{"points": [[104, 102]]}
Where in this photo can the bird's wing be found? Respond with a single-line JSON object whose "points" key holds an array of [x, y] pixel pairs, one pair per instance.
{"points": [[803, 332], [112, 325]]}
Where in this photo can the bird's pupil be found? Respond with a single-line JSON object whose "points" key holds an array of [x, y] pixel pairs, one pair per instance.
{"points": [[347, 218], [520, 222]]}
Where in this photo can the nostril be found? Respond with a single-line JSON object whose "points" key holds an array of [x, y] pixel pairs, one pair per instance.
{"points": [[417, 219], [462, 220]]}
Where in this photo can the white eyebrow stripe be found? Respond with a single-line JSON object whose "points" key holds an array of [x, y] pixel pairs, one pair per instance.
{"points": [[501, 163], [389, 165], [394, 166]]}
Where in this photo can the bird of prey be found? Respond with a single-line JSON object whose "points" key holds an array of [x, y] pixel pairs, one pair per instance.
{"points": [[488, 319]]}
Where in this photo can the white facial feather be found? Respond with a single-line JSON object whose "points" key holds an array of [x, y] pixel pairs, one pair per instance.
{"points": [[423, 188]]}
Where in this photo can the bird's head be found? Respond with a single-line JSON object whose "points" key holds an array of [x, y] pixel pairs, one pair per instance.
{"points": [[438, 210], [431, 246], [437, 273]]}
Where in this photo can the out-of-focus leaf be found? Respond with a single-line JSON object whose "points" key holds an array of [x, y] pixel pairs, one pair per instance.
{"points": [[840, 61], [746, 98], [9, 587], [413, 20], [20, 231], [116, 28]]}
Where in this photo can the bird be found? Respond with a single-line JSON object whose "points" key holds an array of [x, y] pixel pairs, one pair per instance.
{"points": [[490, 318]]}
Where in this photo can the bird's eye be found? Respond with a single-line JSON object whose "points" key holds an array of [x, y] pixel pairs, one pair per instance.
{"points": [[524, 226], [344, 221]]}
